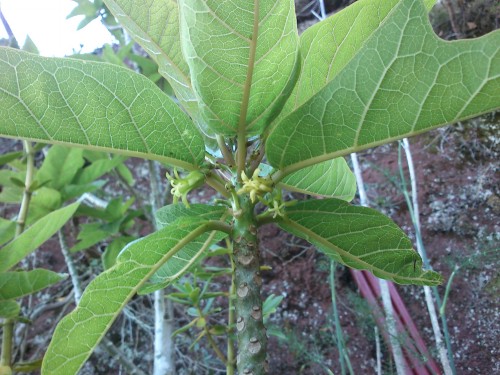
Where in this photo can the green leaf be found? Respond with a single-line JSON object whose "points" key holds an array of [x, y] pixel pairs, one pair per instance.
{"points": [[95, 106], [155, 26], [27, 367], [74, 191], [84, 8], [114, 215], [126, 174], [331, 178], [30, 46], [79, 332], [270, 305], [43, 201], [328, 46], [7, 158], [11, 192], [9, 309], [110, 56], [90, 234], [360, 238], [113, 249], [34, 236], [18, 284], [169, 214], [242, 56], [60, 166], [7, 230], [98, 168], [404, 81], [189, 254]]}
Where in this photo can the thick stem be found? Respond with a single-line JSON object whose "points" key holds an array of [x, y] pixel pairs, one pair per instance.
{"points": [[231, 320], [7, 336], [252, 339]]}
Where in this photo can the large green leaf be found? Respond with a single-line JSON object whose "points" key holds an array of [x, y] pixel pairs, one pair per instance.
{"points": [[18, 284], [360, 238], [34, 236], [242, 58], [404, 81], [155, 26], [328, 46], [93, 105], [79, 332], [186, 257], [331, 178]]}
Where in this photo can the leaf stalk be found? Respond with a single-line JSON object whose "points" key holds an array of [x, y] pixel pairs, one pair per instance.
{"points": [[242, 131]]}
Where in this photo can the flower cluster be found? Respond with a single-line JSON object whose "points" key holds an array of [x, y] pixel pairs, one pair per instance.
{"points": [[182, 186], [256, 186]]}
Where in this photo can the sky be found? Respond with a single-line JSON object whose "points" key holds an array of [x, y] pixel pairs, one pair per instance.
{"points": [[45, 22]]}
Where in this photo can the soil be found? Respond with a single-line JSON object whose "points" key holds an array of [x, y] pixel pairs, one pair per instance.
{"points": [[458, 178]]}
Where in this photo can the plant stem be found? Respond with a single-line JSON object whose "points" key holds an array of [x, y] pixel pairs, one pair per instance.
{"points": [[30, 166], [257, 158], [384, 287], [444, 356], [242, 124], [231, 320], [12, 39], [7, 336], [379, 351], [391, 328], [217, 183], [442, 309], [164, 360], [226, 153], [77, 286], [211, 341], [252, 339], [343, 355], [8, 324], [163, 342]]}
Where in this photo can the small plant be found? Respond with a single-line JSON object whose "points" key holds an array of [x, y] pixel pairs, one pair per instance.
{"points": [[256, 110]]}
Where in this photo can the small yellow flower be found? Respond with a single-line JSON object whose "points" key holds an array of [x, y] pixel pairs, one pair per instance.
{"points": [[182, 186], [256, 186], [277, 208]]}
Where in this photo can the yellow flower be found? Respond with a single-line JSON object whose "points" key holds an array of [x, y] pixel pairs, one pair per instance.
{"points": [[182, 186], [256, 186], [277, 209]]}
